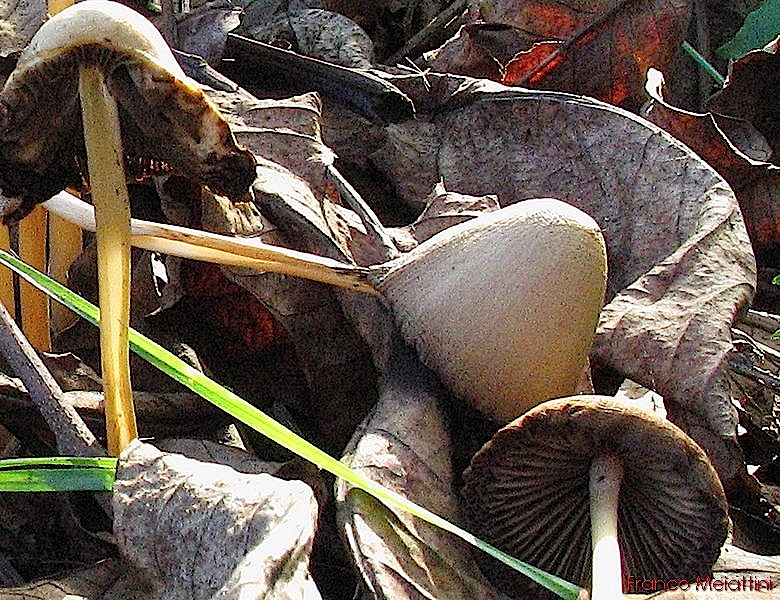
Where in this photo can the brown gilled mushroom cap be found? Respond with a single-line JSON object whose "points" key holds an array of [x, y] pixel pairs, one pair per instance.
{"points": [[527, 492], [164, 115]]}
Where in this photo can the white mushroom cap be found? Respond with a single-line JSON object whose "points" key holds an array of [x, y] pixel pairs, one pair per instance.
{"points": [[526, 491], [504, 307], [111, 25], [164, 115]]}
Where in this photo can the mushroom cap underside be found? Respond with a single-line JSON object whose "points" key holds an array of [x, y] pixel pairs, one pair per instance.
{"points": [[526, 491], [164, 115]]}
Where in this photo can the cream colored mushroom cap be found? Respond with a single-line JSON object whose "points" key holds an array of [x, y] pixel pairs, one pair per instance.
{"points": [[504, 307], [164, 114], [104, 23]]}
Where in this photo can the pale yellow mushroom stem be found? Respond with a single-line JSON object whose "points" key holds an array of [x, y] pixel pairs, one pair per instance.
{"points": [[212, 247], [34, 304], [105, 166], [606, 475]]}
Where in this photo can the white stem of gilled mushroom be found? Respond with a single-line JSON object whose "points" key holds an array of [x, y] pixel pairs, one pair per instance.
{"points": [[105, 164], [606, 475], [211, 247]]}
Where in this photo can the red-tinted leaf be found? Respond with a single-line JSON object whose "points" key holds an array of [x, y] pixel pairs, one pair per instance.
{"points": [[600, 49], [532, 66], [706, 136], [247, 325], [735, 149]]}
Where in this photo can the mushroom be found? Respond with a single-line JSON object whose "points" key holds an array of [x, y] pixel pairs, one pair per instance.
{"points": [[113, 62], [502, 307], [646, 485]]}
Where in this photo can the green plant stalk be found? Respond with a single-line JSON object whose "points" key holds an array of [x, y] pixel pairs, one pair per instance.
{"points": [[258, 420], [703, 63], [57, 474]]}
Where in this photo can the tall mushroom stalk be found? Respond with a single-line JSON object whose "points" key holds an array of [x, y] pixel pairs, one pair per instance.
{"points": [[107, 181], [113, 63]]}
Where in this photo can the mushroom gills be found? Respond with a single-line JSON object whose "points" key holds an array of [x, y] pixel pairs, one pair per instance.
{"points": [[666, 513], [166, 116], [113, 73]]}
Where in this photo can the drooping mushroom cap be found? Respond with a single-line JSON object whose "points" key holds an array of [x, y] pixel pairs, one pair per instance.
{"points": [[165, 116], [526, 491], [503, 308]]}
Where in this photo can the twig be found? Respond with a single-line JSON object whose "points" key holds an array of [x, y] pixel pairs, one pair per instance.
{"points": [[766, 321], [438, 24], [72, 435], [742, 366]]}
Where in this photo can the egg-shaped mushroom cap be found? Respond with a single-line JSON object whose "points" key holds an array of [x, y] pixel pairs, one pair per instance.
{"points": [[504, 307], [164, 115], [526, 491]]}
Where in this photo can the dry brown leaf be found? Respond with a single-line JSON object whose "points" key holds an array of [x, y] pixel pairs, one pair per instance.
{"points": [[750, 93], [407, 157], [202, 530], [203, 30], [405, 445], [18, 23], [680, 261], [734, 148], [444, 209], [329, 378], [317, 33]]}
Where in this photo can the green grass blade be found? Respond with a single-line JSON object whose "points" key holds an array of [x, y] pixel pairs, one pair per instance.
{"points": [[57, 474], [703, 63], [258, 420]]}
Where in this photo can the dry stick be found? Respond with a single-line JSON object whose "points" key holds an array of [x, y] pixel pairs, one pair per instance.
{"points": [[72, 435], [438, 24], [105, 165]]}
